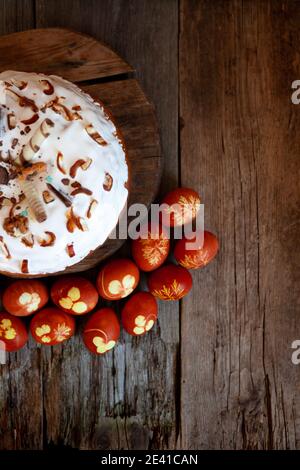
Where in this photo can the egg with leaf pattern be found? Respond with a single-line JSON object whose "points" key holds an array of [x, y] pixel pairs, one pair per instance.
{"points": [[101, 331]]}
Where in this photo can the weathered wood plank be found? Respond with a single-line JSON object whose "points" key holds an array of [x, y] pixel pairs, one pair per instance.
{"points": [[128, 398], [21, 400], [16, 15], [240, 148], [74, 56]]}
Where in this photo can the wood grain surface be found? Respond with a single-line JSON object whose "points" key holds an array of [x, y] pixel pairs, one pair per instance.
{"points": [[216, 371], [239, 147], [119, 403], [61, 52]]}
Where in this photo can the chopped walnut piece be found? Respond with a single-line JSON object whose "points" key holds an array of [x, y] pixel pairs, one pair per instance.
{"points": [[48, 87], [70, 250], [75, 184], [81, 190], [59, 159], [16, 225], [4, 248], [48, 197], [49, 241], [30, 120], [14, 203], [11, 121], [22, 100], [95, 135], [14, 143], [108, 182], [59, 108], [24, 266], [21, 85], [83, 225], [86, 164], [28, 240], [91, 209], [3, 175], [74, 221], [78, 164]]}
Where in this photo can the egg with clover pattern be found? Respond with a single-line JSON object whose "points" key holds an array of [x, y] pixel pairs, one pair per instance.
{"points": [[117, 279], [24, 297], [101, 331], [139, 313], [51, 326], [13, 333], [74, 295]]}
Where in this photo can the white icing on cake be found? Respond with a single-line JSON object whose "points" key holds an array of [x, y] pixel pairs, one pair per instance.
{"points": [[75, 122]]}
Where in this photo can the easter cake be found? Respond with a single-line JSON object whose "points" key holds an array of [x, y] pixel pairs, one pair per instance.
{"points": [[63, 174]]}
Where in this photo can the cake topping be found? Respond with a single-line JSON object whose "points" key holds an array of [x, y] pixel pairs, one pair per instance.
{"points": [[91, 208], [49, 241], [4, 248], [24, 266], [62, 174], [81, 163], [47, 196], [11, 121], [61, 196], [108, 182], [35, 142], [28, 240], [59, 163], [31, 120], [81, 190], [95, 135], [47, 87], [16, 225], [3, 175], [26, 179]]}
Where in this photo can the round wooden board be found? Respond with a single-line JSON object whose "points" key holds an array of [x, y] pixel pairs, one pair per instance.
{"points": [[106, 77]]}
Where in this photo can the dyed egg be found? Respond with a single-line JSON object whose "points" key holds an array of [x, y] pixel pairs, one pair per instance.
{"points": [[197, 257], [117, 279], [139, 313], [170, 282], [13, 333], [22, 298], [101, 331], [74, 295], [151, 249], [183, 206], [51, 326]]}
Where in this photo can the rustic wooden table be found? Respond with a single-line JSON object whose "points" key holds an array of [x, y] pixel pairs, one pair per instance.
{"points": [[216, 372]]}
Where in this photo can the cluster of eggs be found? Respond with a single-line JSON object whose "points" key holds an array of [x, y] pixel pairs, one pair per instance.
{"points": [[74, 295]]}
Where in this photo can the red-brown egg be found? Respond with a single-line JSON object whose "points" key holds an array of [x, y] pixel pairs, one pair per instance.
{"points": [[74, 294], [101, 331], [139, 313], [199, 256], [13, 333], [117, 279], [183, 204], [24, 297], [170, 282], [51, 326], [151, 249]]}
